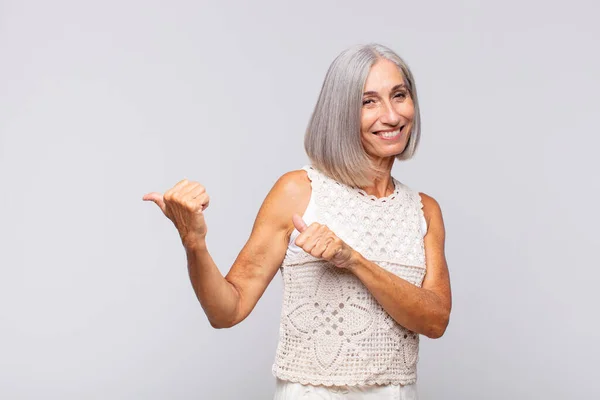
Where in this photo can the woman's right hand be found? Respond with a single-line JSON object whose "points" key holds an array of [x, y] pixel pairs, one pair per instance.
{"points": [[184, 205]]}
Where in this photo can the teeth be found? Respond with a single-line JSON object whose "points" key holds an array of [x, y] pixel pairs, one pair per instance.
{"points": [[390, 134]]}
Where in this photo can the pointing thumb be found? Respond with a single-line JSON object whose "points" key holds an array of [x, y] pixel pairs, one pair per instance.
{"points": [[299, 223], [156, 198]]}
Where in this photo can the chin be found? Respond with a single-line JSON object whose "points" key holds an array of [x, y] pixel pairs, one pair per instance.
{"points": [[393, 152], [389, 151], [384, 155]]}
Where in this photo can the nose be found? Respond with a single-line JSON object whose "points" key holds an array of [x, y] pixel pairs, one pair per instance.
{"points": [[389, 115]]}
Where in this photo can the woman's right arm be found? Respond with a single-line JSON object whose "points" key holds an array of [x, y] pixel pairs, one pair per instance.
{"points": [[229, 300]]}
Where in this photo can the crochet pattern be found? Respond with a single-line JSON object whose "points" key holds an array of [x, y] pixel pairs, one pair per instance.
{"points": [[333, 331]]}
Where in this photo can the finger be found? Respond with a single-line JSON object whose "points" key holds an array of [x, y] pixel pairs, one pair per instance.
{"points": [[316, 234], [157, 198], [332, 250], [195, 192], [202, 200], [321, 247], [186, 190], [321, 237], [306, 234], [299, 223], [176, 189]]}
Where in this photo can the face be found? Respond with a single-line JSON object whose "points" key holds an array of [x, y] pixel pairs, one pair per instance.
{"points": [[387, 112]]}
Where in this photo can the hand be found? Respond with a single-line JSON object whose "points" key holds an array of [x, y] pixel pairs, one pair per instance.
{"points": [[184, 204], [319, 241]]}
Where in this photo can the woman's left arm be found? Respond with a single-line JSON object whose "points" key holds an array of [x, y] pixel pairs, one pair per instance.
{"points": [[425, 309]]}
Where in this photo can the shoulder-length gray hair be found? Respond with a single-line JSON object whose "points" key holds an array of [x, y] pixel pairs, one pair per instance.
{"points": [[332, 140]]}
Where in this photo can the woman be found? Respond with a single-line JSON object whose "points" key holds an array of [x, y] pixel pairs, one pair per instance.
{"points": [[350, 240]]}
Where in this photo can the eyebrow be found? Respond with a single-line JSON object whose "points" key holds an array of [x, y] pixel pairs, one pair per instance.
{"points": [[397, 87]]}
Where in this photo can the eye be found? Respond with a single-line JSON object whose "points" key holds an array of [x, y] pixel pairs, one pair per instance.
{"points": [[400, 95], [368, 101]]}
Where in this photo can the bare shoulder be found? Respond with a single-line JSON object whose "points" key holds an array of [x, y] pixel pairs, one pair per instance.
{"points": [[293, 185], [290, 195]]}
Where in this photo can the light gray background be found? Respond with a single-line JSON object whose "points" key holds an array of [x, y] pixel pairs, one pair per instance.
{"points": [[102, 102]]}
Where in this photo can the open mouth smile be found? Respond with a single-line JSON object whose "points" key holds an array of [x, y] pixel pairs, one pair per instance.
{"points": [[390, 135]]}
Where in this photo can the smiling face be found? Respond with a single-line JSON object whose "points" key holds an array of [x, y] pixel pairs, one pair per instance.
{"points": [[387, 112]]}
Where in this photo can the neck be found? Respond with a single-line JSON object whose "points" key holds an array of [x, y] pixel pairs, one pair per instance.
{"points": [[382, 184]]}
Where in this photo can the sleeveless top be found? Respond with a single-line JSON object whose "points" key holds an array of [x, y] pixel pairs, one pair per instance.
{"points": [[332, 330]]}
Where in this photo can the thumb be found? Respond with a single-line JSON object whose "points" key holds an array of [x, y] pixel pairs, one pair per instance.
{"points": [[156, 198], [299, 223]]}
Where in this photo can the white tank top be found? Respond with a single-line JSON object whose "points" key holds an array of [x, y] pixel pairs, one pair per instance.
{"points": [[332, 330]]}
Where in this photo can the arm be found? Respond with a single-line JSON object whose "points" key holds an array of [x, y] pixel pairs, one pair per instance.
{"points": [[229, 300], [425, 310]]}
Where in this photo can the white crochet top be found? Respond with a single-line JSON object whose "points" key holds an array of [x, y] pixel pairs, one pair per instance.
{"points": [[332, 330]]}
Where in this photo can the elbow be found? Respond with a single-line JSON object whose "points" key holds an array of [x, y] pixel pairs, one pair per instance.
{"points": [[438, 327], [223, 317], [219, 325], [224, 321], [222, 324], [435, 332]]}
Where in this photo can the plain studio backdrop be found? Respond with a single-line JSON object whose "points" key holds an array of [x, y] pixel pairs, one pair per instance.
{"points": [[102, 102]]}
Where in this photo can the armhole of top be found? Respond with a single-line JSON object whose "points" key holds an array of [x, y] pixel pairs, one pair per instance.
{"points": [[422, 214], [309, 213], [311, 173], [423, 225]]}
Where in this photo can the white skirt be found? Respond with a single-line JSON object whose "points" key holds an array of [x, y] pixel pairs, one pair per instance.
{"points": [[285, 390]]}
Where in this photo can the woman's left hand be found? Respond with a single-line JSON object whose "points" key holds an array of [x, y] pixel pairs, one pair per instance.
{"points": [[320, 242]]}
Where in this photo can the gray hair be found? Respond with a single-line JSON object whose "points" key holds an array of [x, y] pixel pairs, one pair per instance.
{"points": [[332, 140]]}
